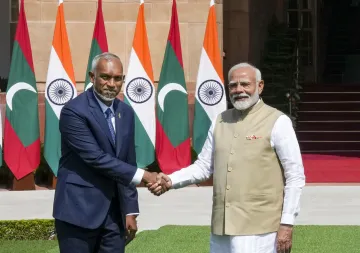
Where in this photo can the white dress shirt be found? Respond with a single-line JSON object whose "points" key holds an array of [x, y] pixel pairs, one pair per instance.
{"points": [[283, 140]]}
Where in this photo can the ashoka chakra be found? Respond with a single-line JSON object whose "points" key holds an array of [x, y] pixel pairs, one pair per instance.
{"points": [[60, 91], [210, 92], [139, 90]]}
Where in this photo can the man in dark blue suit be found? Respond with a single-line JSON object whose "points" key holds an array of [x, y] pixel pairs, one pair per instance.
{"points": [[96, 201]]}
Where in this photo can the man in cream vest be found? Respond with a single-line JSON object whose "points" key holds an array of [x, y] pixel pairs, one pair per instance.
{"points": [[253, 153]]}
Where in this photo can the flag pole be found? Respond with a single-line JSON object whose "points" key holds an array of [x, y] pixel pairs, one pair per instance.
{"points": [[24, 184]]}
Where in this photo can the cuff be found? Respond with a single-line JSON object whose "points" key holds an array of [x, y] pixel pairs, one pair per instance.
{"points": [[175, 181], [288, 219], [138, 176], [135, 214]]}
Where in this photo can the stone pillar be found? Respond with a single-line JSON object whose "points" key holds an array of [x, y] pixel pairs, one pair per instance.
{"points": [[235, 32], [5, 39], [261, 14], [245, 29]]}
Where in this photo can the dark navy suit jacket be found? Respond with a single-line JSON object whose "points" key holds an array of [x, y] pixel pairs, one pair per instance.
{"points": [[91, 166]]}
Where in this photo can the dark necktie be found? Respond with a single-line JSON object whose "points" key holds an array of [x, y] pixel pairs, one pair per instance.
{"points": [[108, 114]]}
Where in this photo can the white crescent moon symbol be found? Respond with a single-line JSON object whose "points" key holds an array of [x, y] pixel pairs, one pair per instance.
{"points": [[88, 86], [167, 88], [15, 88]]}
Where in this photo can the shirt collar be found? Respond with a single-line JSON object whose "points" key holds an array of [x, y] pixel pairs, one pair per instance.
{"points": [[103, 106]]}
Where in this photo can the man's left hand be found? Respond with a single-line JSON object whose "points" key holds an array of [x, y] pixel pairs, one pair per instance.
{"points": [[131, 227], [284, 239]]}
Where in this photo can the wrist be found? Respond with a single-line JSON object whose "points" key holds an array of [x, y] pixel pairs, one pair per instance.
{"points": [[146, 176], [286, 226]]}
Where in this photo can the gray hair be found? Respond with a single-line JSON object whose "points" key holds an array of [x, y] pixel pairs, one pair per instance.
{"points": [[245, 64], [107, 56]]}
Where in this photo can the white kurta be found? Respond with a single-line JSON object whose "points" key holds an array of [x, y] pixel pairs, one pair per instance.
{"points": [[243, 244], [285, 143]]}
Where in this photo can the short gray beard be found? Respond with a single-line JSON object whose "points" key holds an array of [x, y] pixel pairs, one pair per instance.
{"points": [[243, 105], [103, 97]]}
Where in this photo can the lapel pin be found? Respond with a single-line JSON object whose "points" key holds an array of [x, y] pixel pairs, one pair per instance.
{"points": [[119, 115], [253, 137]]}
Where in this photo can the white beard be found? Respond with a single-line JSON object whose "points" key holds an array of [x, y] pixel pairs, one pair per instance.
{"points": [[243, 105], [103, 97]]}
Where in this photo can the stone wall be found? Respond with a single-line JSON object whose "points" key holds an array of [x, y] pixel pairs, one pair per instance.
{"points": [[120, 17]]}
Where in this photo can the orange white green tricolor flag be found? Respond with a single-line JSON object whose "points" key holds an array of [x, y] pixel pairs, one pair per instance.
{"points": [[139, 93], [210, 93], [60, 89]]}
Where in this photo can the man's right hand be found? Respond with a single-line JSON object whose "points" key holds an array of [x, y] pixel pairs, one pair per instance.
{"points": [[162, 185], [151, 178]]}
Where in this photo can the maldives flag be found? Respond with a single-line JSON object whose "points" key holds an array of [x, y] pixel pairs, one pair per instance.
{"points": [[210, 93], [99, 42], [60, 89], [22, 142], [139, 93], [172, 124]]}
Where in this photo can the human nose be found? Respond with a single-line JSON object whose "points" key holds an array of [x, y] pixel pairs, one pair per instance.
{"points": [[237, 88], [111, 82]]}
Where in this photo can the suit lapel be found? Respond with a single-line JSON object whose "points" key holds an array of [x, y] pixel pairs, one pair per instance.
{"points": [[119, 117], [99, 115]]}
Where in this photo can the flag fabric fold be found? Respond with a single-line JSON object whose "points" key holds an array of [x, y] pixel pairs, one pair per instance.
{"points": [[98, 44], [139, 93], [21, 130], [172, 123], [210, 98], [59, 89]]}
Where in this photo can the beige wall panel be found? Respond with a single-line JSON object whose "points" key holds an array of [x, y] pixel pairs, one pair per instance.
{"points": [[193, 12], [195, 48], [160, 12], [48, 11], [80, 43], [124, 12], [32, 11], [80, 11], [41, 35]]}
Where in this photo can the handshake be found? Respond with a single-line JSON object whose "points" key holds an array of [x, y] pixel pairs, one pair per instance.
{"points": [[157, 183]]}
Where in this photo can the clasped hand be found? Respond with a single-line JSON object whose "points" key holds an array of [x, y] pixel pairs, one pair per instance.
{"points": [[157, 183]]}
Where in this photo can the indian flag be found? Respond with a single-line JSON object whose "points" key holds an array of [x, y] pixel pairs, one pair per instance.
{"points": [[60, 89], [139, 93], [210, 93]]}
